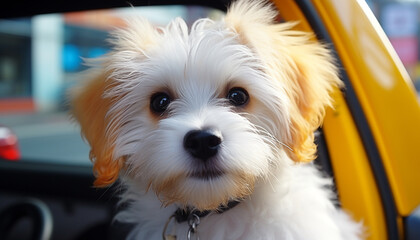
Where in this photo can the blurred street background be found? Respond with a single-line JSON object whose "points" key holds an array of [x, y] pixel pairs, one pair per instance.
{"points": [[48, 137]]}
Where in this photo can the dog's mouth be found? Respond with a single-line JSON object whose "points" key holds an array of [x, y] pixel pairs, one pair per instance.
{"points": [[207, 173]]}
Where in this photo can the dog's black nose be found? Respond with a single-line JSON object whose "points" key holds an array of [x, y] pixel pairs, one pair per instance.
{"points": [[202, 144]]}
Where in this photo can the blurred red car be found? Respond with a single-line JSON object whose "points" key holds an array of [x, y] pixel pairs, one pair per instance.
{"points": [[9, 149]]}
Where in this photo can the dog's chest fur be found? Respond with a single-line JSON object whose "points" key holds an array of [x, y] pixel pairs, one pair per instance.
{"points": [[298, 206]]}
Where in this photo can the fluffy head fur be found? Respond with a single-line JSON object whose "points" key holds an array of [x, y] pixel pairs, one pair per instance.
{"points": [[287, 75]]}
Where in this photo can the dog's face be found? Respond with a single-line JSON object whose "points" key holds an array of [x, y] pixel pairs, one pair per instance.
{"points": [[199, 116]]}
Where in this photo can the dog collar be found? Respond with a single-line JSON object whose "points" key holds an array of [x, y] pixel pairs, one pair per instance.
{"points": [[192, 217], [183, 215]]}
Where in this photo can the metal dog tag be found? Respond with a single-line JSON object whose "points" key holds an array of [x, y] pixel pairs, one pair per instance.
{"points": [[170, 237], [165, 229]]}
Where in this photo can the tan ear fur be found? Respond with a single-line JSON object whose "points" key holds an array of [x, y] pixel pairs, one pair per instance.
{"points": [[314, 80], [90, 109], [304, 68]]}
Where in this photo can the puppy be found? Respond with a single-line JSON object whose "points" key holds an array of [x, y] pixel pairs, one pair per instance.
{"points": [[211, 129]]}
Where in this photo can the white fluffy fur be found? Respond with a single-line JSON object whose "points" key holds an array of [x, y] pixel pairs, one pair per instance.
{"points": [[297, 206], [282, 199]]}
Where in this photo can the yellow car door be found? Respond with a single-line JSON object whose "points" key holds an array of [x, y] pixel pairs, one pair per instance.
{"points": [[372, 135]]}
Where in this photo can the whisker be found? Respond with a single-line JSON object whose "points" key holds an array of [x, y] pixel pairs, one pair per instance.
{"points": [[264, 132], [286, 146]]}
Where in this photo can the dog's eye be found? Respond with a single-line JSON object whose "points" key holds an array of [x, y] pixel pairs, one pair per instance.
{"points": [[238, 96], [159, 102]]}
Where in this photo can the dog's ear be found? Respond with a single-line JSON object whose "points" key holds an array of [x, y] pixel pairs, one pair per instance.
{"points": [[303, 66], [104, 86], [90, 109], [314, 78]]}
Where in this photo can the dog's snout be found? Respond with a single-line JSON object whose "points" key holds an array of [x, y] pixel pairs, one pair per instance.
{"points": [[202, 144]]}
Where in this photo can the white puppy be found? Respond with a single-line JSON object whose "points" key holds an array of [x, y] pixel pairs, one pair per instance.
{"points": [[211, 129]]}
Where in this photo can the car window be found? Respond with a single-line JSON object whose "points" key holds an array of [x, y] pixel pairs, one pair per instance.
{"points": [[400, 20], [41, 58]]}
